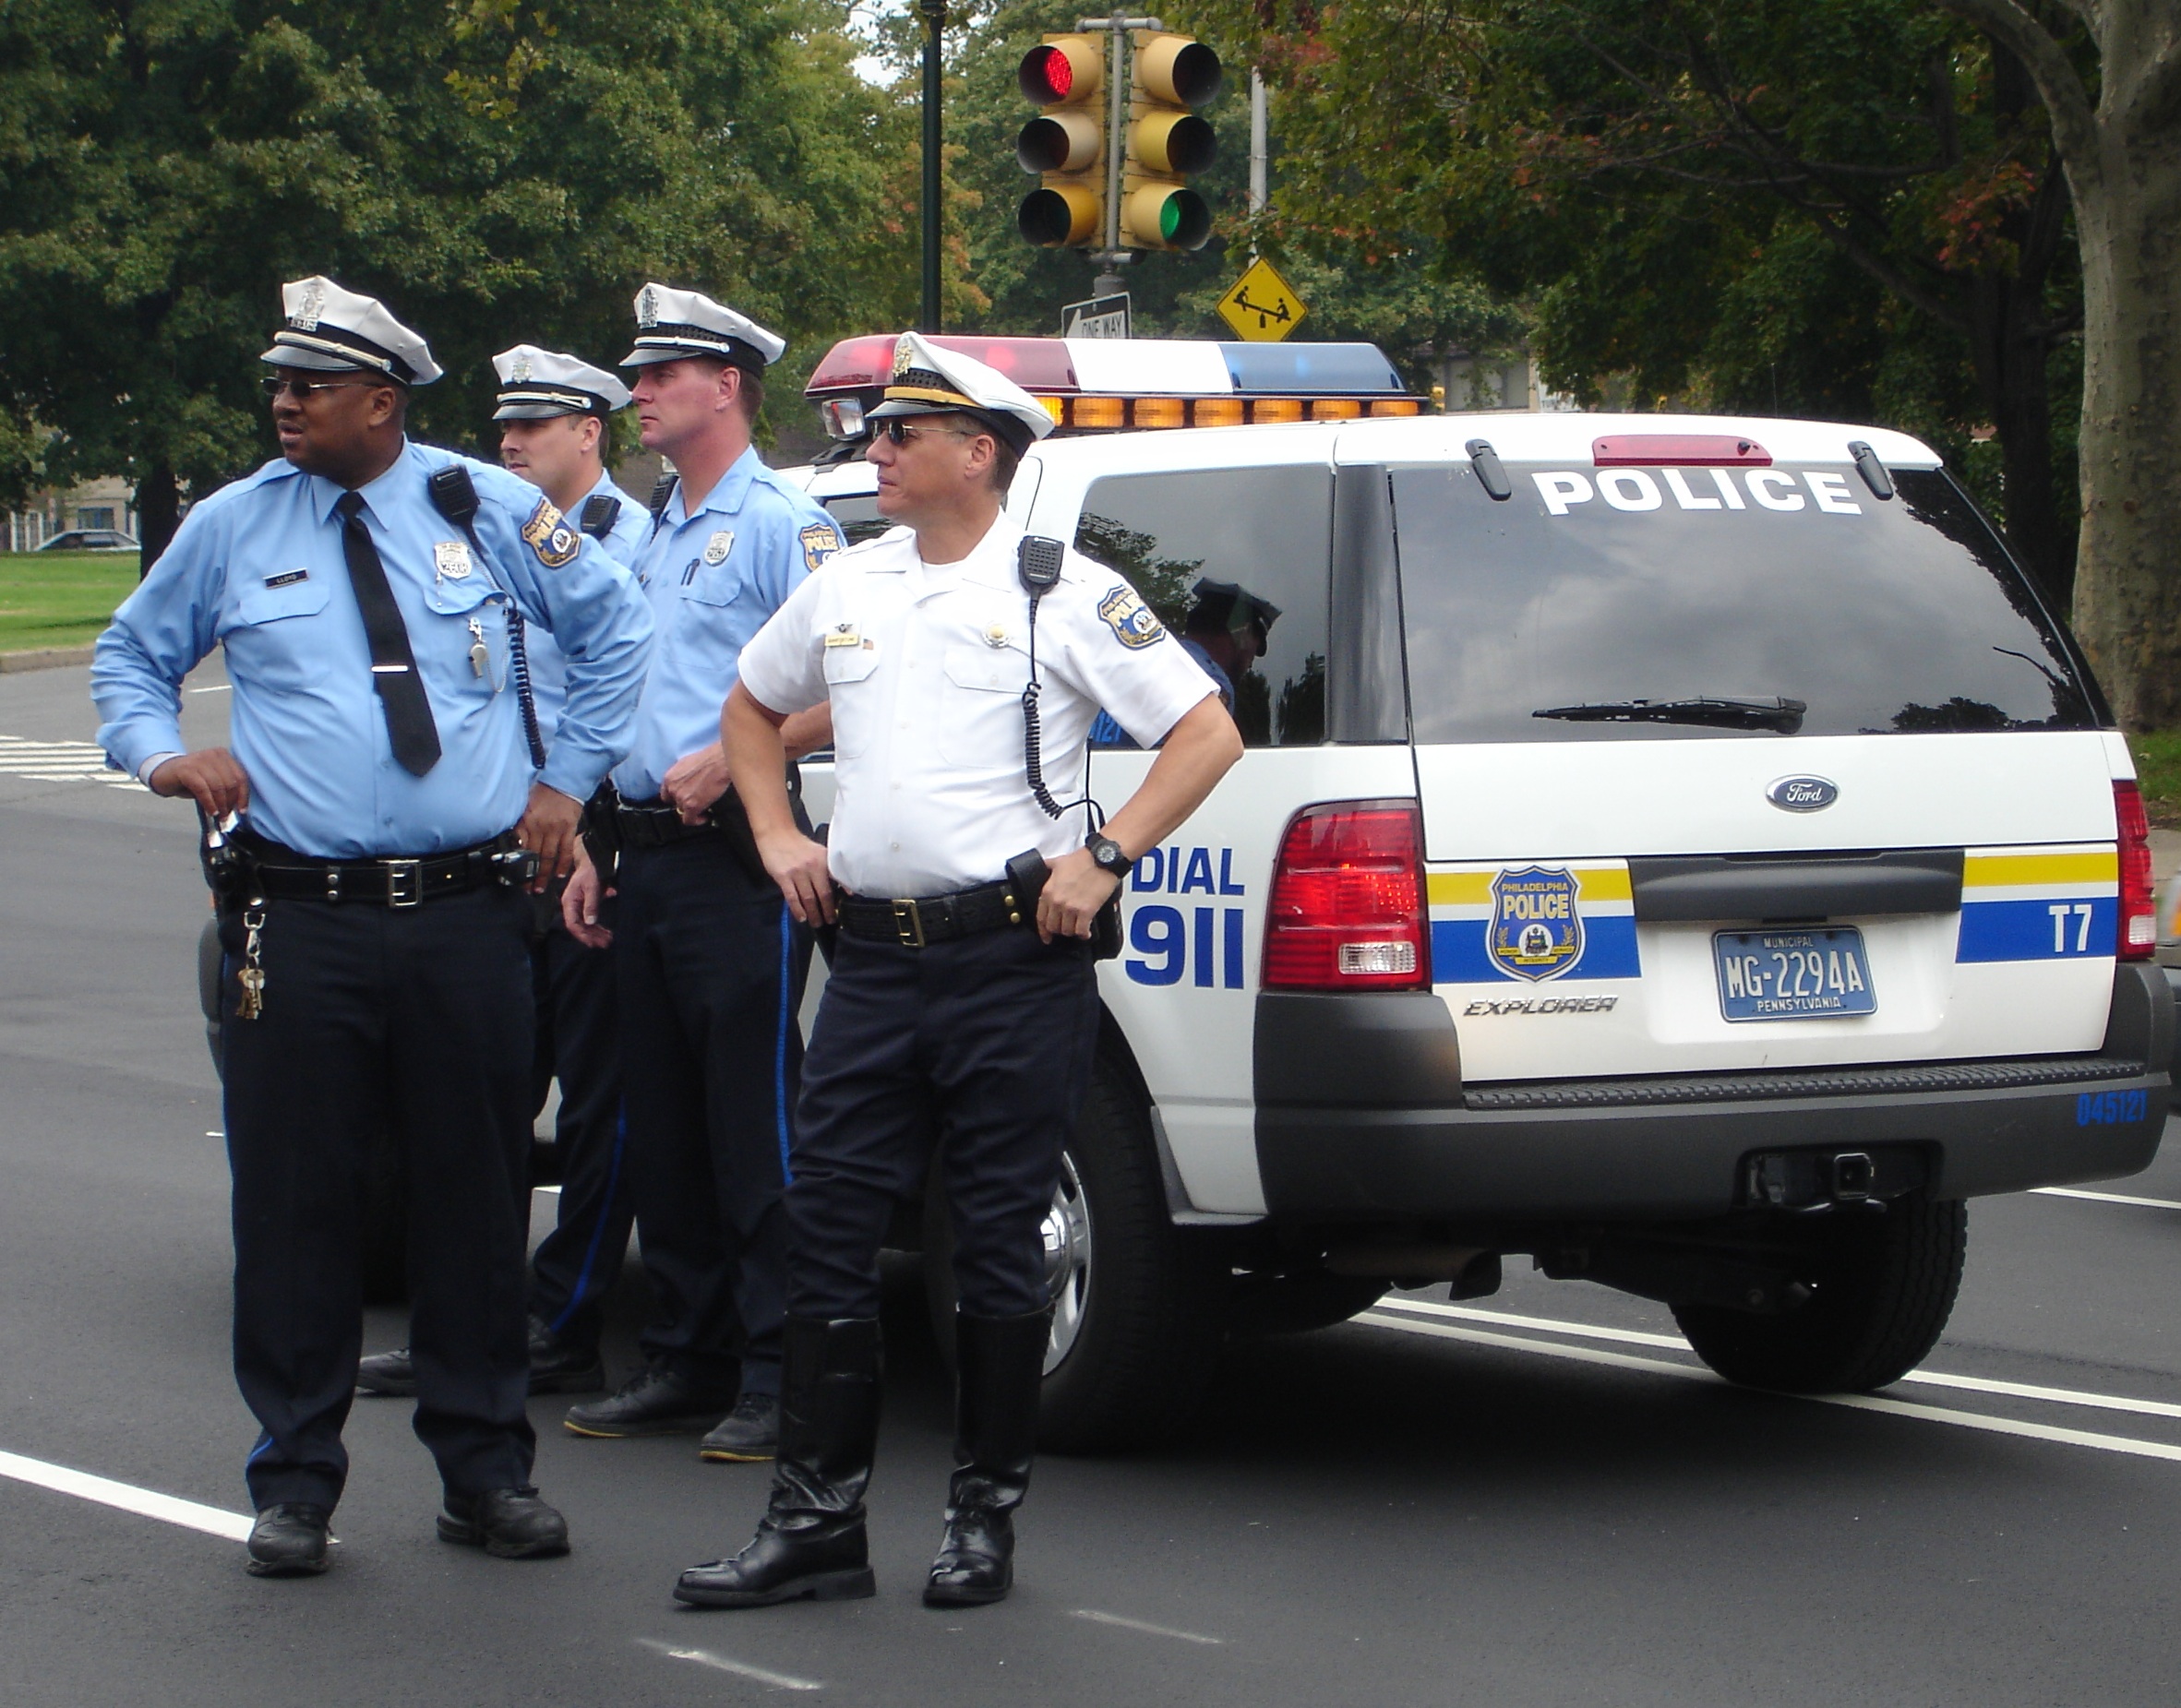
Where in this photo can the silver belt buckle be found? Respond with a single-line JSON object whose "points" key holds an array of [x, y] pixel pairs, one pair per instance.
{"points": [[908, 924], [404, 882]]}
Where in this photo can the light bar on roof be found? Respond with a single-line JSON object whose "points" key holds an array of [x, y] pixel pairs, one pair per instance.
{"points": [[1136, 368]]}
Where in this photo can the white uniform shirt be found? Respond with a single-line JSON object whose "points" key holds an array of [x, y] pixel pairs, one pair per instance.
{"points": [[925, 666]]}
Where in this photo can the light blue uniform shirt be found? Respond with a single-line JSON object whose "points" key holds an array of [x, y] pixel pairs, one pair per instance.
{"points": [[257, 569], [548, 664], [713, 577]]}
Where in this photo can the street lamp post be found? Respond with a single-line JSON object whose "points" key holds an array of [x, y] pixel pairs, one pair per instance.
{"points": [[934, 14]]}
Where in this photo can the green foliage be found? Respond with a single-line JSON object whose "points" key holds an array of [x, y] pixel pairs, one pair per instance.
{"points": [[2158, 768], [60, 599], [498, 171]]}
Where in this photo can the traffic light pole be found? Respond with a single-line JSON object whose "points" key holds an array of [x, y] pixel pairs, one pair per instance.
{"points": [[934, 13], [1113, 258]]}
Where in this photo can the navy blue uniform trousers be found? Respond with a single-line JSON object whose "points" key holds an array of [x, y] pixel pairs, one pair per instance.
{"points": [[981, 1046], [417, 1022], [710, 969], [578, 1042]]}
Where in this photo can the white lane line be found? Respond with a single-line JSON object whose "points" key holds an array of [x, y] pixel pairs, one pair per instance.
{"points": [[217, 687], [1674, 1342], [741, 1669], [1149, 1630], [1851, 1402], [144, 1502], [2107, 1198]]}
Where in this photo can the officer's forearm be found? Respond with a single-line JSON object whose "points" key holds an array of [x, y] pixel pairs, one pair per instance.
{"points": [[756, 760], [805, 732], [1197, 753]]}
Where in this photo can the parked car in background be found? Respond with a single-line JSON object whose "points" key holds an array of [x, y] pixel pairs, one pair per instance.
{"points": [[91, 540]]}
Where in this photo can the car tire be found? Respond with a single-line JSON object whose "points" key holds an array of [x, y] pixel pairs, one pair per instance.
{"points": [[1138, 1307], [1299, 1302], [1883, 1287]]}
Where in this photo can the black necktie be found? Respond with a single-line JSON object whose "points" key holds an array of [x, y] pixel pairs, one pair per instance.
{"points": [[393, 666]]}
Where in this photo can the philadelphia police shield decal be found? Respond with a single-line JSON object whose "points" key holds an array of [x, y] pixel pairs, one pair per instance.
{"points": [[1537, 929]]}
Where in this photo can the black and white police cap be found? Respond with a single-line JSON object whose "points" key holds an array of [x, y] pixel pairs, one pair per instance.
{"points": [[671, 324], [932, 380], [335, 330], [536, 385]]}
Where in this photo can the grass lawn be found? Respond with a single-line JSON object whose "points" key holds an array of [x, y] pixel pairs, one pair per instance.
{"points": [[2158, 766], [60, 599]]}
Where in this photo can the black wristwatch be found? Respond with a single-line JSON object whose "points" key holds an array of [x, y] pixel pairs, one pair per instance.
{"points": [[1108, 856]]}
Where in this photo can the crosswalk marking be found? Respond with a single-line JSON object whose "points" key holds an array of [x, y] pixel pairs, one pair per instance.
{"points": [[59, 761]]}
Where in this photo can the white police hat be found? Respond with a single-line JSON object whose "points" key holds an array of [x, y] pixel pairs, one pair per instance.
{"points": [[928, 380], [536, 385], [671, 324], [333, 331]]}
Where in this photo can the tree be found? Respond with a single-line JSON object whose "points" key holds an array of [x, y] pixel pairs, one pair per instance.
{"points": [[2120, 141], [1837, 207], [495, 171]]}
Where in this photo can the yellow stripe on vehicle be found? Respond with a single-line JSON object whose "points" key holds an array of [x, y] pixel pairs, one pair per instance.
{"points": [[1982, 871]]}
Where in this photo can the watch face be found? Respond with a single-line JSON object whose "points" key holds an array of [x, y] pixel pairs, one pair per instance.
{"points": [[1110, 855]]}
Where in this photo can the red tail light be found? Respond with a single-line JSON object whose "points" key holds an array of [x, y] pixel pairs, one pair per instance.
{"points": [[2138, 902], [1348, 908]]}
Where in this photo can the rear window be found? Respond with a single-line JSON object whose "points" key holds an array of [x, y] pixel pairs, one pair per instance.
{"points": [[1235, 562], [1697, 602]]}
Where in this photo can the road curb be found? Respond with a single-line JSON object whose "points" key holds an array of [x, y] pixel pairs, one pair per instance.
{"points": [[43, 658]]}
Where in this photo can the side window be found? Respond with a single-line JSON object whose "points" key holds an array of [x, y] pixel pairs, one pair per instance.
{"points": [[1235, 562]]}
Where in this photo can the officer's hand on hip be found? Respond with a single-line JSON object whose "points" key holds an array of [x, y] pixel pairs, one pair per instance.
{"points": [[212, 778], [1073, 896], [548, 828], [798, 866], [579, 904], [694, 782]]}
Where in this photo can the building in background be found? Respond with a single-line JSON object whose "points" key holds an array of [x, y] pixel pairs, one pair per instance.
{"points": [[109, 502]]}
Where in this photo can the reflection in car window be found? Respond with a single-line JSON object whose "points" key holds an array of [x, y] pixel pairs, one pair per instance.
{"points": [[1234, 561], [858, 514], [1590, 591]]}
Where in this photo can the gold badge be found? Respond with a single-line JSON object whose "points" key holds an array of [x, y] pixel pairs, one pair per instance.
{"points": [[843, 635], [550, 537], [995, 636]]}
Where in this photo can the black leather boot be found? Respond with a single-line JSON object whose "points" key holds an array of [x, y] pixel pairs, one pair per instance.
{"points": [[999, 1363], [811, 1542]]}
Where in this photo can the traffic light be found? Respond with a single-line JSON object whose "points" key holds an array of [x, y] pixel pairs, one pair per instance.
{"points": [[1066, 143], [1171, 77]]}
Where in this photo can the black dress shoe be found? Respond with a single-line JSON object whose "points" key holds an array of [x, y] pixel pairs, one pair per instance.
{"points": [[389, 1375], [509, 1523], [561, 1366], [748, 1434], [813, 1562], [656, 1401], [289, 1541]]}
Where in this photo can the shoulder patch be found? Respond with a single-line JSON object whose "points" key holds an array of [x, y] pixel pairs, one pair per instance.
{"points": [[1131, 619], [821, 540], [547, 534]]}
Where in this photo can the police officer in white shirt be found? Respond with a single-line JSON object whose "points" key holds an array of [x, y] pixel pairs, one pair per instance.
{"points": [[962, 1009]]}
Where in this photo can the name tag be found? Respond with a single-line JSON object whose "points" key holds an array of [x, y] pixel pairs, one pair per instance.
{"points": [[844, 636], [287, 579]]}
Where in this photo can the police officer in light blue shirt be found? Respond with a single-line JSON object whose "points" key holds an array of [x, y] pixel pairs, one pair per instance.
{"points": [[555, 413], [381, 811], [710, 964]]}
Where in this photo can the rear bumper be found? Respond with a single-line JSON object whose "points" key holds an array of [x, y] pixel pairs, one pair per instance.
{"points": [[1363, 1116]]}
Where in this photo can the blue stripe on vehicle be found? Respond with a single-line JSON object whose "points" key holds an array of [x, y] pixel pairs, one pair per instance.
{"points": [[1458, 957], [582, 1290], [2032, 931], [787, 942]]}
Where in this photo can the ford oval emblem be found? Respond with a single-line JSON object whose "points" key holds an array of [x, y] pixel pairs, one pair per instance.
{"points": [[1802, 795]]}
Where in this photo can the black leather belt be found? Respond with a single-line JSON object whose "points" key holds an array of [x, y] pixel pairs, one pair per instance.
{"points": [[922, 920], [655, 825], [278, 871]]}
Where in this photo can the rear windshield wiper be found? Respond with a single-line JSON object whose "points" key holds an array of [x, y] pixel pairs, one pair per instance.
{"points": [[1784, 715]]}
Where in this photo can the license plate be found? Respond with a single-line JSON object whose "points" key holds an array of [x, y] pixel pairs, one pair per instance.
{"points": [[1816, 974]]}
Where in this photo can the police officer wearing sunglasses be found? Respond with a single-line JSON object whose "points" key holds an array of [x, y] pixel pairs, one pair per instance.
{"points": [[380, 813], [962, 1009]]}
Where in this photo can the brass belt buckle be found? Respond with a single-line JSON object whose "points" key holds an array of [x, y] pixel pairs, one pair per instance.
{"points": [[908, 924], [404, 882]]}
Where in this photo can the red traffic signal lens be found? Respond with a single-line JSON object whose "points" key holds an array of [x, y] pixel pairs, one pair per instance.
{"points": [[1055, 74]]}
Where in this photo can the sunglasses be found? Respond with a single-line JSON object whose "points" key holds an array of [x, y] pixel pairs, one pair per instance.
{"points": [[901, 430], [273, 386]]}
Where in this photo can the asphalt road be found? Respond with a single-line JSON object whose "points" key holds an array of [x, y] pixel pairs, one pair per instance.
{"points": [[1537, 1500]]}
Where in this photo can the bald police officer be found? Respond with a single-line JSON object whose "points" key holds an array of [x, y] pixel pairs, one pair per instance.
{"points": [[365, 590], [710, 964], [555, 413], [962, 1008]]}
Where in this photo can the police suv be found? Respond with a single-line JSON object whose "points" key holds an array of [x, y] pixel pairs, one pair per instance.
{"points": [[1686, 851]]}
